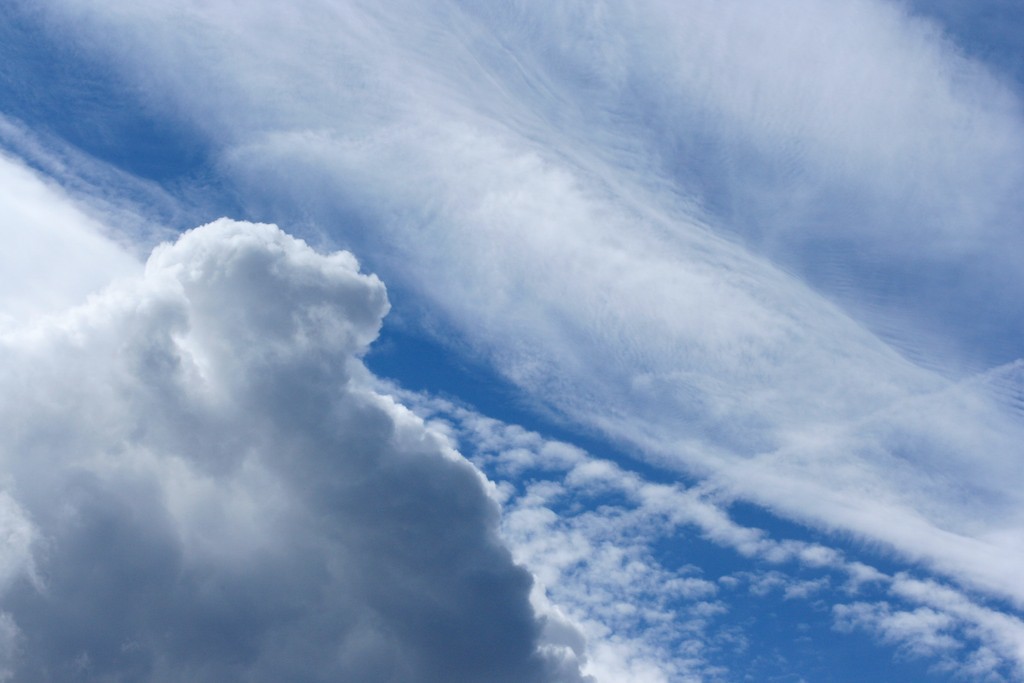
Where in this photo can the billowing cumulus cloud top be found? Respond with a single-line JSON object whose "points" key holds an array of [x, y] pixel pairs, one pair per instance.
{"points": [[200, 485]]}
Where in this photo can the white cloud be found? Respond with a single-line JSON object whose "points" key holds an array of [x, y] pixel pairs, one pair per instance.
{"points": [[765, 583], [922, 631], [943, 624], [1002, 632], [198, 472], [54, 254], [134, 213]]}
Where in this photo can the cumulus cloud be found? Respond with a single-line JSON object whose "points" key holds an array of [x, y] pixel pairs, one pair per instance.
{"points": [[200, 484]]}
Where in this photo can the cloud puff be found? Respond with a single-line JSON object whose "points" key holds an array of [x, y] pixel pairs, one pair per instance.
{"points": [[199, 484]]}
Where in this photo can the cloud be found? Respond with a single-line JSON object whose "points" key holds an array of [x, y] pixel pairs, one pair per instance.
{"points": [[763, 245], [55, 253], [133, 212], [971, 641], [199, 483]]}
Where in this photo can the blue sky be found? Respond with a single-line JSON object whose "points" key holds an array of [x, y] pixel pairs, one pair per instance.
{"points": [[604, 341]]}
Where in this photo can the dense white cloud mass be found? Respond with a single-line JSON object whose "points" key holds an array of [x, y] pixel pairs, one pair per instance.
{"points": [[200, 484]]}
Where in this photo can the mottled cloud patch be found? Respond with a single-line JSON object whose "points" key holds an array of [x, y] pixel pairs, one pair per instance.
{"points": [[597, 536]]}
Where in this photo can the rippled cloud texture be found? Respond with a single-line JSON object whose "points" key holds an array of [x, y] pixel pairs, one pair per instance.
{"points": [[767, 250]]}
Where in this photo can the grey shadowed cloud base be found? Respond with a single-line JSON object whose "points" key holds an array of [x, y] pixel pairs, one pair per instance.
{"points": [[200, 484]]}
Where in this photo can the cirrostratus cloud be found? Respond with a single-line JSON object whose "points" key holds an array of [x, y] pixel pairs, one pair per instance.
{"points": [[199, 484]]}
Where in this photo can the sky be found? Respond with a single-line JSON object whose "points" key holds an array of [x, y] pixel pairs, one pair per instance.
{"points": [[578, 341]]}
